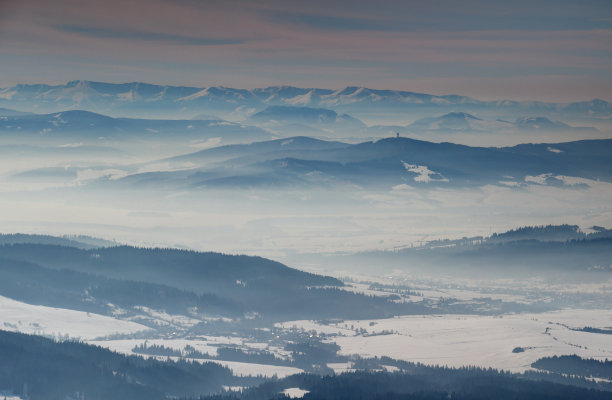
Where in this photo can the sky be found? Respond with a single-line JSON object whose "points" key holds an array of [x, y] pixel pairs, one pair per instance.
{"points": [[557, 50]]}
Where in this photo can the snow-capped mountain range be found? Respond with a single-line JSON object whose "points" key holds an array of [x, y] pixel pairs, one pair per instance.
{"points": [[148, 100]]}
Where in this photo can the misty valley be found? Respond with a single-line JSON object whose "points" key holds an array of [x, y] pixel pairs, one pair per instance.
{"points": [[175, 242]]}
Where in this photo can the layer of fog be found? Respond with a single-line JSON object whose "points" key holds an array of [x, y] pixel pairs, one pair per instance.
{"points": [[278, 223], [282, 223]]}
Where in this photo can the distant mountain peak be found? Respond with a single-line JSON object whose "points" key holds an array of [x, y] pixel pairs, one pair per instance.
{"points": [[459, 115], [530, 119], [538, 122], [308, 116], [453, 121]]}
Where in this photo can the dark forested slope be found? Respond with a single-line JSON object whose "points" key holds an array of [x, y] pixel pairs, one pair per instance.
{"points": [[179, 281]]}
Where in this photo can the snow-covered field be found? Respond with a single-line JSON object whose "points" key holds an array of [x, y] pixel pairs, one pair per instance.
{"points": [[295, 393], [203, 343], [27, 318], [340, 368], [486, 341], [61, 323], [313, 326], [8, 395], [207, 344], [451, 340], [125, 346]]}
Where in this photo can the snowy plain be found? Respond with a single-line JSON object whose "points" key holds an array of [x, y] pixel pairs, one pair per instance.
{"points": [[58, 322], [459, 340], [447, 339]]}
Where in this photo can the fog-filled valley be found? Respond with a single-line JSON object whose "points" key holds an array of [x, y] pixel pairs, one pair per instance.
{"points": [[289, 175], [209, 242]]}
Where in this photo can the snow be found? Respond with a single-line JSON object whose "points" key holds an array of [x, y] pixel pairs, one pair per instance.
{"points": [[510, 183], [243, 369], [128, 96], [49, 321], [206, 143], [8, 395], [201, 93], [70, 145], [7, 94], [159, 96], [203, 345], [485, 341], [573, 180], [125, 346], [309, 326], [340, 368], [424, 174], [303, 99], [336, 97], [233, 388], [295, 393], [566, 180], [363, 288], [222, 123], [553, 150], [252, 369], [465, 294], [165, 318], [539, 179]]}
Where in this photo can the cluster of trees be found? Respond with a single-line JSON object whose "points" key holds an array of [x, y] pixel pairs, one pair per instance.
{"points": [[250, 356], [225, 353], [575, 365], [560, 233], [311, 356], [78, 241], [590, 329], [156, 350]]}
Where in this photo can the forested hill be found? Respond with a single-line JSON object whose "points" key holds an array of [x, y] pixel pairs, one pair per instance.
{"points": [[179, 281], [559, 251], [574, 365], [78, 241], [48, 370], [551, 233], [190, 270]]}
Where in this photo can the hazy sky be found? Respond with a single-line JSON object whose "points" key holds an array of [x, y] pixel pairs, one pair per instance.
{"points": [[548, 50]]}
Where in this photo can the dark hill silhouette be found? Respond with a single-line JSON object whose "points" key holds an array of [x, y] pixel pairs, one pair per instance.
{"points": [[214, 283], [385, 163]]}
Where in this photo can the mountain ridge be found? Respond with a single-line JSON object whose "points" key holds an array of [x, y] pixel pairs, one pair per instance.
{"points": [[138, 97], [388, 162]]}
